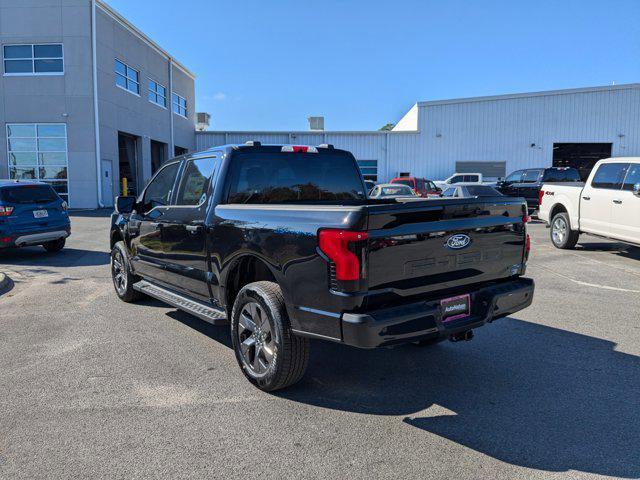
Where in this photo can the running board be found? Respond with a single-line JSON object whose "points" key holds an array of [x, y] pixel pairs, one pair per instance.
{"points": [[213, 315]]}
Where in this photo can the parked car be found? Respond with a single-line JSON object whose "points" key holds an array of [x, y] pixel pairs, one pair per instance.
{"points": [[608, 205], [32, 213], [283, 242], [466, 190], [392, 190], [456, 178], [422, 186], [528, 182]]}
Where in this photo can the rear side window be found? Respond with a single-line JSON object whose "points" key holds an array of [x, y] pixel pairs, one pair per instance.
{"points": [[28, 194], [158, 193], [610, 176], [274, 177], [471, 178], [562, 175], [633, 177], [482, 191], [195, 181]]}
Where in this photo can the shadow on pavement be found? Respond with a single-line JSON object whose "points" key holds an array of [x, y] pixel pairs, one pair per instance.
{"points": [[621, 249], [523, 393], [67, 257]]}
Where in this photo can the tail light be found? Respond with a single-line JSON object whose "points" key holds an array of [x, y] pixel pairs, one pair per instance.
{"points": [[5, 239], [527, 246], [5, 211], [540, 197], [335, 245], [526, 219]]}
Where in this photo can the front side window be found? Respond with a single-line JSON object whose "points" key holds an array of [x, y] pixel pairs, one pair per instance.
{"points": [[531, 176], [127, 78], [157, 94], [179, 105], [610, 176], [515, 177], [449, 192], [158, 192], [38, 151], [195, 181], [633, 177], [457, 179], [33, 59]]}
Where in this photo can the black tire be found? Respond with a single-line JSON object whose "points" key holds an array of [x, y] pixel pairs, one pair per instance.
{"points": [[561, 234], [123, 283], [54, 245], [269, 354]]}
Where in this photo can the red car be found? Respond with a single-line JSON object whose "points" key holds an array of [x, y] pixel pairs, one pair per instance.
{"points": [[422, 186]]}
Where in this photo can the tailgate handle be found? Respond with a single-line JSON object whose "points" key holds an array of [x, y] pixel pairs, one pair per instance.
{"points": [[194, 228], [586, 198]]}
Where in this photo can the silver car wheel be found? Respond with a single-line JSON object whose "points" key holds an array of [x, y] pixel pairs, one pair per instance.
{"points": [[256, 339], [559, 231]]}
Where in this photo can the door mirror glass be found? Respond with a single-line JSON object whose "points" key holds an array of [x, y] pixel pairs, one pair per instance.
{"points": [[125, 204], [636, 190]]}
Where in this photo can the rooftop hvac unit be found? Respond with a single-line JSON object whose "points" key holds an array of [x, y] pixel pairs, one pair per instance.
{"points": [[202, 121], [316, 123]]}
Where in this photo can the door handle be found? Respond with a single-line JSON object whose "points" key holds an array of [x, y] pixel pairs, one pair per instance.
{"points": [[617, 201], [586, 198]]}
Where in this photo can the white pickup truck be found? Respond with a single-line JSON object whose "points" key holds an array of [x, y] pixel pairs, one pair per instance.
{"points": [[462, 178], [608, 205]]}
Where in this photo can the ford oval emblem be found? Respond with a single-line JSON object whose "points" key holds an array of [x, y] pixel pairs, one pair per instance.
{"points": [[458, 241]]}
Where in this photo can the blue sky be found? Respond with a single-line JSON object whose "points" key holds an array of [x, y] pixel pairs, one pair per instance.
{"points": [[270, 64]]}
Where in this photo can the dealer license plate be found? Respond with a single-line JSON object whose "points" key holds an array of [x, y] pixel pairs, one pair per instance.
{"points": [[455, 307]]}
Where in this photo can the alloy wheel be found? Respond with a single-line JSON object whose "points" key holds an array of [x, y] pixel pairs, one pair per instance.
{"points": [[559, 230], [256, 339], [118, 272]]}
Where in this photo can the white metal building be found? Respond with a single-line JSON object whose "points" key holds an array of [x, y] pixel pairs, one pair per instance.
{"points": [[492, 135]]}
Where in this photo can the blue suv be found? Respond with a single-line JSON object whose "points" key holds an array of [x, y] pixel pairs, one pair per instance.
{"points": [[32, 213]]}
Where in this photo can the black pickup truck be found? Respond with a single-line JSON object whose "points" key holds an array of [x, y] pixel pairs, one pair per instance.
{"points": [[528, 183], [283, 242]]}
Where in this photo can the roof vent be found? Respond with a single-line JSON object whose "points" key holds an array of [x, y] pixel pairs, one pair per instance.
{"points": [[202, 121], [316, 123]]}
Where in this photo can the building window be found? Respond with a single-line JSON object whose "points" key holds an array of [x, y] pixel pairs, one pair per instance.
{"points": [[38, 151], [369, 169], [157, 94], [38, 59], [179, 105], [127, 77]]}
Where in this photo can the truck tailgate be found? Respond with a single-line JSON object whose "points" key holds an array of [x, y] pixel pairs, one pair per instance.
{"points": [[422, 247]]}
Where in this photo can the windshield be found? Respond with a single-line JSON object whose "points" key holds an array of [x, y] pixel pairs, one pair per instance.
{"points": [[273, 177], [396, 190], [28, 194], [482, 191]]}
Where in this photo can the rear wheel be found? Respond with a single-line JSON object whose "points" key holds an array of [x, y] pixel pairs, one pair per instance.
{"points": [[269, 354], [561, 234], [54, 245], [123, 278]]}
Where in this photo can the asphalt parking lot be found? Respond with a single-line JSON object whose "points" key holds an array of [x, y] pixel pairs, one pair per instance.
{"points": [[91, 387]]}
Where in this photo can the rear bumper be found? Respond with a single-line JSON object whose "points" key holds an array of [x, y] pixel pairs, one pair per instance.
{"points": [[24, 239], [423, 320]]}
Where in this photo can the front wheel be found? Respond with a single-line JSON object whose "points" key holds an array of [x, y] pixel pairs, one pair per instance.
{"points": [[561, 234], [123, 278], [269, 354]]}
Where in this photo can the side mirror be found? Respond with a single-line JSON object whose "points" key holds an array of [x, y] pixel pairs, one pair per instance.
{"points": [[125, 204], [636, 190]]}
